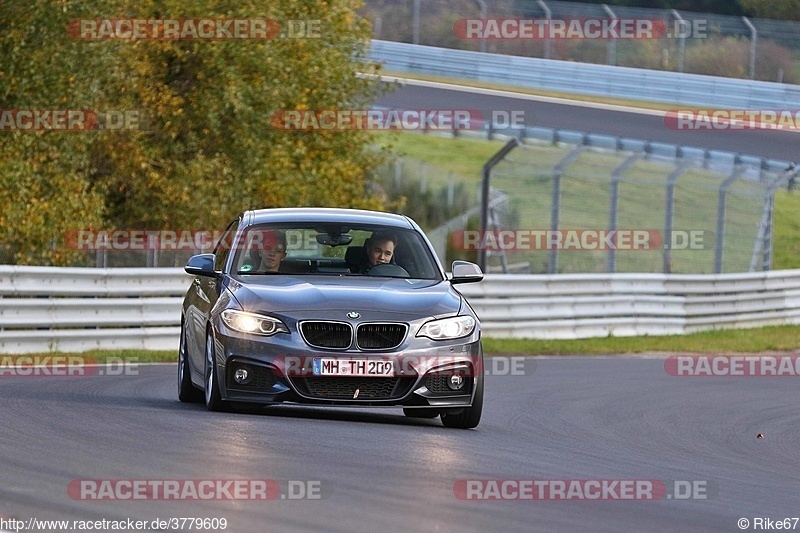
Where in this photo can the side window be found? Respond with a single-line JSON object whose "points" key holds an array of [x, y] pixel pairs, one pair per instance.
{"points": [[224, 246]]}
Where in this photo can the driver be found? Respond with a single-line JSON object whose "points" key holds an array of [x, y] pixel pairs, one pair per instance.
{"points": [[380, 248]]}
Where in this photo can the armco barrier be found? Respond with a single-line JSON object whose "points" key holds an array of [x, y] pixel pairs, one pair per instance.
{"points": [[585, 78], [45, 309]]}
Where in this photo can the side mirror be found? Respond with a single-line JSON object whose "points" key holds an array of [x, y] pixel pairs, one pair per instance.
{"points": [[201, 265], [466, 272]]}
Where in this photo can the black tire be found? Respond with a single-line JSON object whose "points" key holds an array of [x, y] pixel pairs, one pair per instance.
{"points": [[469, 417], [187, 392], [420, 413], [213, 398]]}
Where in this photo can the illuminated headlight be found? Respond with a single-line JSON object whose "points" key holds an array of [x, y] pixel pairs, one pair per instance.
{"points": [[447, 328], [252, 323]]}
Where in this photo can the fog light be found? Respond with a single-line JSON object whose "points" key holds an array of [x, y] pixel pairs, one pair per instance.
{"points": [[456, 382], [241, 376]]}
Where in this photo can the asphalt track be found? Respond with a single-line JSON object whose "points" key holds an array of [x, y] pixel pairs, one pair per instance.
{"points": [[566, 418], [767, 143]]}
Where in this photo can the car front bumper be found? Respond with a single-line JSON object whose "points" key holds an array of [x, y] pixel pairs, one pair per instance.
{"points": [[280, 371]]}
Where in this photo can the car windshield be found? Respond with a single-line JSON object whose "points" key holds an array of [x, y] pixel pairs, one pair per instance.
{"points": [[333, 249]]}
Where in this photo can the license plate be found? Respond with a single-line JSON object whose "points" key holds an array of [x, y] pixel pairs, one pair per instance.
{"points": [[353, 367]]}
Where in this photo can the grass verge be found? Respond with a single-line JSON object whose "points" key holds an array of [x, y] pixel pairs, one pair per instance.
{"points": [[466, 157], [755, 340]]}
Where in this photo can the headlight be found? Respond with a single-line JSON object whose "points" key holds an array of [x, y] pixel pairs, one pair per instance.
{"points": [[252, 323], [447, 328]]}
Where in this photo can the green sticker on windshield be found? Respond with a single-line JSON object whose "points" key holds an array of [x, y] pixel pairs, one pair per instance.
{"points": [[246, 268]]}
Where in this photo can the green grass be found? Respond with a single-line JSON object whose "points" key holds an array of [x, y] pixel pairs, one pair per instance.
{"points": [[463, 156], [786, 250], [116, 356], [757, 340], [584, 202]]}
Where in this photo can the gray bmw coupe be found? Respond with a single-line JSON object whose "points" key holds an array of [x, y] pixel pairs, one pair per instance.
{"points": [[331, 307]]}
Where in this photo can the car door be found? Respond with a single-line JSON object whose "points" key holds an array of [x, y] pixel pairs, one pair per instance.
{"points": [[206, 293]]}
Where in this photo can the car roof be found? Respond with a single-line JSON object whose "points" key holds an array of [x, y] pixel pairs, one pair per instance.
{"points": [[327, 215]]}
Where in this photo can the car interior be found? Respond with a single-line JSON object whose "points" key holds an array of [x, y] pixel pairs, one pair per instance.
{"points": [[331, 255]]}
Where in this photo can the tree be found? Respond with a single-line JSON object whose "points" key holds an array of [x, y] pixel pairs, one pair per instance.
{"points": [[45, 190], [773, 9], [206, 148]]}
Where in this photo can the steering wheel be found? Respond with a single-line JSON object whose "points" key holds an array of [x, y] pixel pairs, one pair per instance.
{"points": [[389, 270]]}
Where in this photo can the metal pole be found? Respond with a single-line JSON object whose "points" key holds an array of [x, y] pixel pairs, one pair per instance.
{"points": [[548, 15], [768, 220], [723, 192], [415, 23], [555, 212], [482, 3], [681, 41], [669, 208], [486, 189], [766, 264], [753, 43], [451, 186], [612, 46], [611, 262]]}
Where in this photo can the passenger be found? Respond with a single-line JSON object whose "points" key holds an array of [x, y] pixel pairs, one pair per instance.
{"points": [[272, 250]]}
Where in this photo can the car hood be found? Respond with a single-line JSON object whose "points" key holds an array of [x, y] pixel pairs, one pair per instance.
{"points": [[328, 297]]}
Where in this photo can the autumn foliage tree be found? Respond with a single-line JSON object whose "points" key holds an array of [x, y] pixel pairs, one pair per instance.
{"points": [[205, 147]]}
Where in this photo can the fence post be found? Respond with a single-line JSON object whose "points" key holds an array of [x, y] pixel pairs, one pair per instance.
{"points": [[451, 185], [611, 261], [753, 43], [612, 45], [681, 40], [548, 15], [723, 193], [485, 192], [482, 4], [555, 209], [415, 23], [669, 209], [768, 219]]}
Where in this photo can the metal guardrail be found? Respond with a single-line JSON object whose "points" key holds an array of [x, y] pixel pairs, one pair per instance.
{"points": [[51, 309], [68, 316], [582, 306], [584, 78], [753, 45]]}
